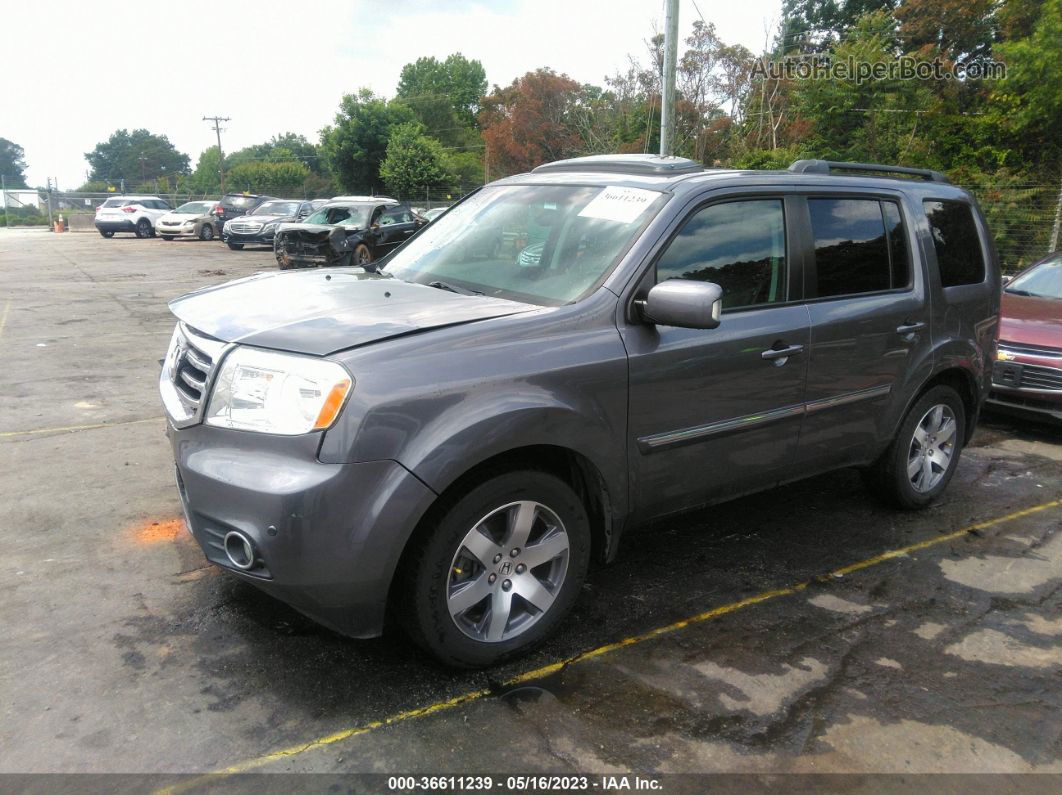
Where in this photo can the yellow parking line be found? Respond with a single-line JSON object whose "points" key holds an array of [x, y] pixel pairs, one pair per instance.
{"points": [[70, 428], [551, 668]]}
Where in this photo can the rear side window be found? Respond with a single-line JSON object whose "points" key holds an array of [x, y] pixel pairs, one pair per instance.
{"points": [[738, 245], [955, 239], [851, 246]]}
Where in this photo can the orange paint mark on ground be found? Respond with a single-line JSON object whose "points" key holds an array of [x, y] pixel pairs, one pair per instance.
{"points": [[157, 531]]}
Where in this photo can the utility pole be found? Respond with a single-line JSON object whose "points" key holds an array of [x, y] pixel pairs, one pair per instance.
{"points": [[142, 160], [667, 104], [1058, 223], [221, 155], [51, 224]]}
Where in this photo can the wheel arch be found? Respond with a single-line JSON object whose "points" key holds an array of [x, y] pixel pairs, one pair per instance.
{"points": [[964, 383], [567, 464]]}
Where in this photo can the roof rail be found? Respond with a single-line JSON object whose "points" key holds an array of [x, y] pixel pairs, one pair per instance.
{"points": [[639, 164], [828, 166]]}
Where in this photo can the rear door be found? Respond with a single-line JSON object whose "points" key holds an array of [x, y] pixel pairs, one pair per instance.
{"points": [[717, 412], [870, 338]]}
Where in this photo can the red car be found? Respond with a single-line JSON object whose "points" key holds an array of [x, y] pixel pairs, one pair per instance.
{"points": [[1027, 377]]}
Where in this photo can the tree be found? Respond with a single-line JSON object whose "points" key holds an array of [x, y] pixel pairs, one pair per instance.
{"points": [[457, 81], [355, 145], [282, 179], [533, 121], [414, 162], [285, 147], [12, 164], [205, 178], [135, 156]]}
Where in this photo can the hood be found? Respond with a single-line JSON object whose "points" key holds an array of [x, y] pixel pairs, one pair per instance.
{"points": [[264, 219], [1031, 321], [314, 228], [323, 311]]}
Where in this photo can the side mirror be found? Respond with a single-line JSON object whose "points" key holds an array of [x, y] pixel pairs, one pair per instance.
{"points": [[684, 303], [1007, 279]]}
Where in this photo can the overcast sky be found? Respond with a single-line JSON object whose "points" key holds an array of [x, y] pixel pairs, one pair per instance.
{"points": [[77, 70]]}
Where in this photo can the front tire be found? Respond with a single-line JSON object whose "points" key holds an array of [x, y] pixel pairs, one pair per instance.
{"points": [[236, 246], [923, 457], [206, 232], [167, 237], [143, 228], [362, 255], [497, 572]]}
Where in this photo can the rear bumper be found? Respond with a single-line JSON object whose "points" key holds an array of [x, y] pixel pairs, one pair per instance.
{"points": [[116, 226], [328, 536]]}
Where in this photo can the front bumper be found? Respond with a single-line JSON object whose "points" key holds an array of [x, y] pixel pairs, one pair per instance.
{"points": [[1027, 386], [249, 238], [176, 231], [328, 536]]}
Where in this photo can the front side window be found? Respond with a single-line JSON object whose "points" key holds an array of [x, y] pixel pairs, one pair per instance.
{"points": [[541, 244], [851, 246], [738, 245], [955, 239]]}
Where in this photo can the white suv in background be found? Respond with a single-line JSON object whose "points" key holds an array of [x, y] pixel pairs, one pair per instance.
{"points": [[136, 214]]}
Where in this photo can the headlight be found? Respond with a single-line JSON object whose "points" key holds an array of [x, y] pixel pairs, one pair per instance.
{"points": [[270, 227], [279, 393]]}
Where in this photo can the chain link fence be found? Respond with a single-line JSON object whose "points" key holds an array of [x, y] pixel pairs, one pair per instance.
{"points": [[1024, 218]]}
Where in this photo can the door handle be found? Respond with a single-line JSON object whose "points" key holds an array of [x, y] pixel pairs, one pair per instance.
{"points": [[910, 328], [782, 353]]}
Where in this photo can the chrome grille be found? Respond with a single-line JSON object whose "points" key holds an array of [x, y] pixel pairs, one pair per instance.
{"points": [[244, 228], [1027, 376], [187, 371], [1031, 350]]}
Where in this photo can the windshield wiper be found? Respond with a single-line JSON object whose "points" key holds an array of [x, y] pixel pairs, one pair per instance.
{"points": [[439, 285]]}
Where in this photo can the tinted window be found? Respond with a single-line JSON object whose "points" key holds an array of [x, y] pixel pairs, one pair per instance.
{"points": [[898, 256], [959, 255], [851, 250], [738, 245]]}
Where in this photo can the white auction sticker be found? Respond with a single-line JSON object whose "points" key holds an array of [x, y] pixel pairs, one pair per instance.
{"points": [[621, 205]]}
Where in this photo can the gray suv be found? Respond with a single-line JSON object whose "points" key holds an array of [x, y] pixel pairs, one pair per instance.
{"points": [[450, 434]]}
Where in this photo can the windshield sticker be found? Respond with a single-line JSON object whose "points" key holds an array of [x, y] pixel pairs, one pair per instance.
{"points": [[621, 205]]}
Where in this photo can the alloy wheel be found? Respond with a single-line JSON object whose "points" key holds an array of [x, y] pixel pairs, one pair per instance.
{"points": [[932, 448], [507, 571]]}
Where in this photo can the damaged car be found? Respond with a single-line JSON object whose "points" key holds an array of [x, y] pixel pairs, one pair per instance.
{"points": [[349, 230]]}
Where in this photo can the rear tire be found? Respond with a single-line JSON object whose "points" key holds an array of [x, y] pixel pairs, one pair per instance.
{"points": [[143, 228], [923, 457], [106, 234], [532, 540], [236, 246]]}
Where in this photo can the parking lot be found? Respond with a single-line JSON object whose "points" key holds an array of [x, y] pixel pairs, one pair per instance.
{"points": [[806, 629]]}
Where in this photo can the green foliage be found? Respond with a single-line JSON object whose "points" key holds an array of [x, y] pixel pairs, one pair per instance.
{"points": [[428, 84], [276, 179], [12, 164], [280, 148], [1027, 104], [414, 162], [355, 145], [135, 156]]}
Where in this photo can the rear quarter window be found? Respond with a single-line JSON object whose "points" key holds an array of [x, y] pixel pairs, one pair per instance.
{"points": [[958, 246]]}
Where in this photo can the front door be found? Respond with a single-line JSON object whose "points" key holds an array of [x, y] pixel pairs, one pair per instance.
{"points": [[717, 412]]}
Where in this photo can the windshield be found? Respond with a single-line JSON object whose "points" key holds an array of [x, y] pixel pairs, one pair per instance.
{"points": [[195, 208], [541, 244], [235, 200], [1043, 281], [348, 215], [278, 208]]}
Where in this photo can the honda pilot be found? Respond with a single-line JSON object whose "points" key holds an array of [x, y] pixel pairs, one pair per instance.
{"points": [[449, 435]]}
